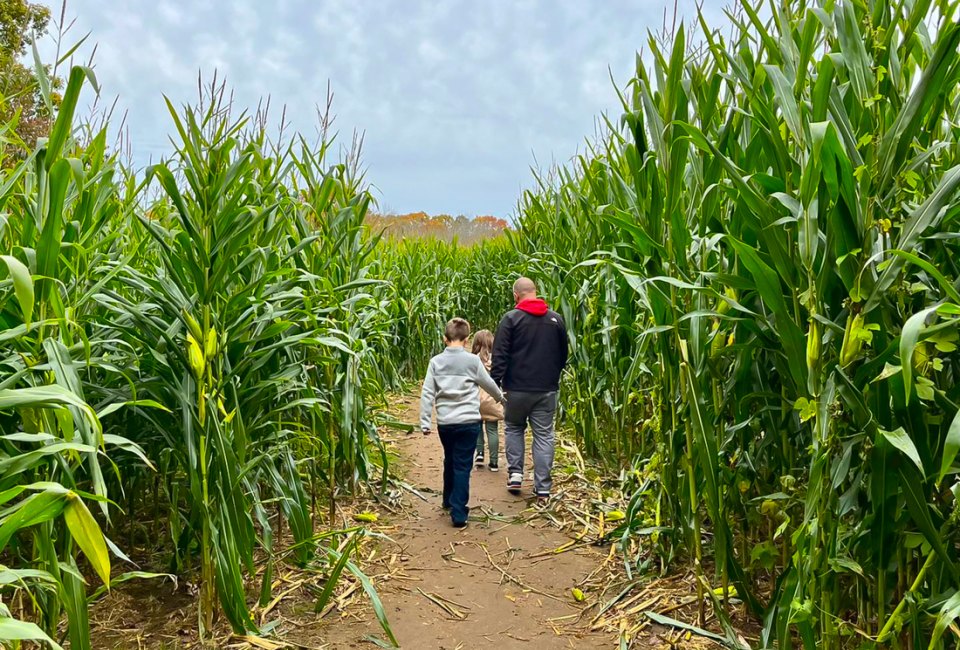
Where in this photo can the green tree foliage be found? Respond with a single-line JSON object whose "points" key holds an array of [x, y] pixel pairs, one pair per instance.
{"points": [[22, 105]]}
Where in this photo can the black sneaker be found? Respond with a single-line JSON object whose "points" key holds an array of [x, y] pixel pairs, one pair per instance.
{"points": [[494, 467], [478, 459], [514, 483], [459, 524]]}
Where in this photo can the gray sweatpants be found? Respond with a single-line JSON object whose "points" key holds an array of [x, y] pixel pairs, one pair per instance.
{"points": [[491, 429], [538, 409]]}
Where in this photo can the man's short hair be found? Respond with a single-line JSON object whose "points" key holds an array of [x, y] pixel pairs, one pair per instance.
{"points": [[457, 329], [523, 286]]}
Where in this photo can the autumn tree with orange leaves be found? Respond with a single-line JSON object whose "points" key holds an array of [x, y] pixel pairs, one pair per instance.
{"points": [[444, 227]]}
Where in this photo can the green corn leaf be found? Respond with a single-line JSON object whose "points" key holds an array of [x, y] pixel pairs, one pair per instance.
{"points": [[51, 236], [63, 126], [854, 51], [127, 577], [899, 137], [378, 609], [18, 463], [86, 533], [951, 445], [945, 285], [644, 241], [45, 397], [948, 613], [127, 445], [908, 343], [927, 215], [35, 509], [919, 510], [22, 285], [13, 630], [43, 78], [341, 557], [783, 90], [21, 576], [660, 619], [75, 604], [902, 441], [116, 406], [771, 291]]}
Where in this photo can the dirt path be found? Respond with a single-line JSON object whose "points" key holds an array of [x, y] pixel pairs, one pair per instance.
{"points": [[526, 602], [496, 584]]}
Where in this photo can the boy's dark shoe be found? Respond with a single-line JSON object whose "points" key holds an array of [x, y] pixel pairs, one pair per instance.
{"points": [[494, 467], [478, 459], [459, 524], [514, 483]]}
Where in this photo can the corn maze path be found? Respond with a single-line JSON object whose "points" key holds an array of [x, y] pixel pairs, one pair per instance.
{"points": [[486, 586]]}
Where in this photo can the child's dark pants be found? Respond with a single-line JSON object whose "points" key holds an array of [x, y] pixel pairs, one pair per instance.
{"points": [[459, 443]]}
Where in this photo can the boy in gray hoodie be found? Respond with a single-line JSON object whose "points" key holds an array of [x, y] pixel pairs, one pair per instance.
{"points": [[452, 384]]}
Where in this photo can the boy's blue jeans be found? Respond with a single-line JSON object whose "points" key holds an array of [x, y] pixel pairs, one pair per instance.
{"points": [[459, 443]]}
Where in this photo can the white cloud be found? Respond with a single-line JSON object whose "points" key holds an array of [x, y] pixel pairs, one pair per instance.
{"points": [[430, 53], [171, 13], [455, 97]]}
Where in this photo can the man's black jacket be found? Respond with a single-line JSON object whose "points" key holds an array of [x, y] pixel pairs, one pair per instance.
{"points": [[529, 352]]}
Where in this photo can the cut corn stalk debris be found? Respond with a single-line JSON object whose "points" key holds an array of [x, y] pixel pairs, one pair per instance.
{"points": [[670, 622], [444, 604], [505, 576]]}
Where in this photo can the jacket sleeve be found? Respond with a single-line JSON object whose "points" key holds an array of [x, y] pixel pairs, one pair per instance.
{"points": [[564, 344], [501, 350], [427, 395], [483, 379]]}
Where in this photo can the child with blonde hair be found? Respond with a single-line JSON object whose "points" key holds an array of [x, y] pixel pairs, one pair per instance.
{"points": [[491, 411]]}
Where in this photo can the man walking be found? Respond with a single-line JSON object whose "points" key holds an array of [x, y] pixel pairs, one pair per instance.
{"points": [[529, 353]]}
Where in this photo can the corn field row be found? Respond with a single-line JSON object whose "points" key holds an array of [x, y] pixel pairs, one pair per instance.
{"points": [[191, 360], [760, 266]]}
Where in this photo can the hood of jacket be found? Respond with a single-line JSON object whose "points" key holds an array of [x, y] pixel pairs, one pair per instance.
{"points": [[534, 306]]}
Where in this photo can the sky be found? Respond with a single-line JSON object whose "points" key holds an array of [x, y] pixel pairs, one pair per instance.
{"points": [[456, 99]]}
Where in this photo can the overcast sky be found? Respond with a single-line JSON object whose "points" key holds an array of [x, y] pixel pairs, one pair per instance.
{"points": [[456, 99]]}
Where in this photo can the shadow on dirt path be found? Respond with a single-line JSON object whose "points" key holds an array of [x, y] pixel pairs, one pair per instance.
{"points": [[494, 584]]}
